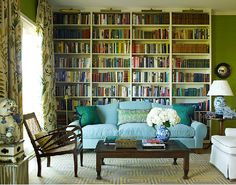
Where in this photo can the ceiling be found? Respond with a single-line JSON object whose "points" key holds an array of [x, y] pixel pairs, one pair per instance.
{"points": [[217, 6]]}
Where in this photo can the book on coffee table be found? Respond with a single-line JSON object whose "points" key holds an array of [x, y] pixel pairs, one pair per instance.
{"points": [[153, 143]]}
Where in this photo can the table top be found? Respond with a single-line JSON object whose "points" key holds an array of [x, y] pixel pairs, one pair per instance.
{"points": [[171, 145]]}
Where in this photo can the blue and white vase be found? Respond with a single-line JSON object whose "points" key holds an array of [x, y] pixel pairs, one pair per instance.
{"points": [[163, 133]]}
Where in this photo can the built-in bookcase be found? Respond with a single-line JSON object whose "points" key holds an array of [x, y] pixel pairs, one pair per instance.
{"points": [[109, 56]]}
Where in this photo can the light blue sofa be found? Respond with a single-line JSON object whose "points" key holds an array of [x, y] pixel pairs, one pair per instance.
{"points": [[192, 136]]}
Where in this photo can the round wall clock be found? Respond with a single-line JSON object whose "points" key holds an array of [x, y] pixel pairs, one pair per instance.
{"points": [[223, 70]]}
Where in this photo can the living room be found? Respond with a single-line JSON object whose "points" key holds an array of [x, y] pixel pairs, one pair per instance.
{"points": [[130, 57]]}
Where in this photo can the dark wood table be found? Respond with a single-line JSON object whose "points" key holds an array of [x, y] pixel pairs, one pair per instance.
{"points": [[174, 149]]}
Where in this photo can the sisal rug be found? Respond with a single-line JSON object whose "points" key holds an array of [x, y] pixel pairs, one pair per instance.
{"points": [[128, 171]]}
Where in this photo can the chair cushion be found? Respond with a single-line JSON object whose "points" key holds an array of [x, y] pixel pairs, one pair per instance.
{"points": [[89, 115], [132, 116], [99, 131], [185, 113], [225, 143], [139, 130], [105, 112]]}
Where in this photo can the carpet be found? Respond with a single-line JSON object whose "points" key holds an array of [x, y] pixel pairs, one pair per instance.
{"points": [[128, 171]]}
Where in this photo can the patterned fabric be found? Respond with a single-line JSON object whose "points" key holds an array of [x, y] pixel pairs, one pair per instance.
{"points": [[10, 52], [132, 116], [45, 26]]}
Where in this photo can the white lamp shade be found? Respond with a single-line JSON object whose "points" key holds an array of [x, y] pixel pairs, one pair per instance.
{"points": [[220, 88]]}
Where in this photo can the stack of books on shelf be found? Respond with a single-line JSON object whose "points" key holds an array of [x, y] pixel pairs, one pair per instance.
{"points": [[153, 143]]}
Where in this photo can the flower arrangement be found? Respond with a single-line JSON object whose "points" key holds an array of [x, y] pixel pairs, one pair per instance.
{"points": [[160, 116]]}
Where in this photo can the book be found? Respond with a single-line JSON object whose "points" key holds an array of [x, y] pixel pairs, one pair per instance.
{"points": [[153, 143]]}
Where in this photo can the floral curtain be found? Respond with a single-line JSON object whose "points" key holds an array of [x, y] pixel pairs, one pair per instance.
{"points": [[10, 51], [44, 21]]}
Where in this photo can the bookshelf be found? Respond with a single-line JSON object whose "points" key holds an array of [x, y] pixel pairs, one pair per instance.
{"points": [[150, 55]]}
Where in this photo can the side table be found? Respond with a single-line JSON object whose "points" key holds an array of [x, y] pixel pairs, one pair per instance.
{"points": [[221, 123], [14, 173]]}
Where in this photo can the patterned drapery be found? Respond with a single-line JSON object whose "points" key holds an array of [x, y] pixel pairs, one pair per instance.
{"points": [[10, 51], [44, 21]]}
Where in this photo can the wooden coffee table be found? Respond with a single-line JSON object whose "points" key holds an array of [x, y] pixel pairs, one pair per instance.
{"points": [[174, 149]]}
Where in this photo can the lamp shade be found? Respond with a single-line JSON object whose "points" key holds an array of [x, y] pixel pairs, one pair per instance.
{"points": [[220, 88]]}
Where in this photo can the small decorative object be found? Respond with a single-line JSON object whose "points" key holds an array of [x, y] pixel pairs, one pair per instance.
{"points": [[126, 143], [163, 118], [228, 113], [220, 88], [9, 129], [223, 70]]}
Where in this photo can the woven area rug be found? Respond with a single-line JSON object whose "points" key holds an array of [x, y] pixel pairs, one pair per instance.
{"points": [[128, 171]]}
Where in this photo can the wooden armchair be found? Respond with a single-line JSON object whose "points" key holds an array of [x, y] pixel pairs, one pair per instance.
{"points": [[65, 140]]}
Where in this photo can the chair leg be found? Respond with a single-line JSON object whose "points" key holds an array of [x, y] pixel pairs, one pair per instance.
{"points": [[48, 161], [75, 163], [39, 166], [81, 157]]}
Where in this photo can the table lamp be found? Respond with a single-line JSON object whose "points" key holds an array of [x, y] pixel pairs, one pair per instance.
{"points": [[220, 88]]}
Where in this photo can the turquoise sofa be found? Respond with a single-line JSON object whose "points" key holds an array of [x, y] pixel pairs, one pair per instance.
{"points": [[192, 136]]}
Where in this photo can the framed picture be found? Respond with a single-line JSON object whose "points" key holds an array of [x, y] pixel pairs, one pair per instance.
{"points": [[223, 70]]}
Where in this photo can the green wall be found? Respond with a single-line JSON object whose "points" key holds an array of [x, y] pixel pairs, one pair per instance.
{"points": [[29, 8]]}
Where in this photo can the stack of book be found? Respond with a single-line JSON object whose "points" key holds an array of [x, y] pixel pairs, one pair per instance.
{"points": [[153, 143]]}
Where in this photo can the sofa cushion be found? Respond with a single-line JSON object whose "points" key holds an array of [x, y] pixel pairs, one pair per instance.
{"points": [[132, 116], [139, 130], [182, 131], [135, 105], [89, 115], [99, 131], [185, 113], [225, 143], [161, 105], [108, 113]]}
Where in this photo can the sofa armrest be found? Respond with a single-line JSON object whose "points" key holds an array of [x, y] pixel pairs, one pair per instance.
{"points": [[230, 131], [200, 133], [76, 123]]}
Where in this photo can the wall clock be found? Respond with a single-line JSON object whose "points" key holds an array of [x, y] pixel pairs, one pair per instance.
{"points": [[223, 70]]}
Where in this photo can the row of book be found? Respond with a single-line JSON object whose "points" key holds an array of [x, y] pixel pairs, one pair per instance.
{"points": [[150, 90], [111, 62], [104, 101], [194, 33], [113, 90], [190, 48], [150, 62], [71, 33], [111, 33], [150, 48], [149, 76], [71, 104], [160, 33], [190, 18], [111, 18], [71, 47], [190, 63], [190, 77], [73, 18], [111, 47], [200, 106], [117, 76], [73, 62], [72, 76], [73, 90], [151, 18], [201, 91]]}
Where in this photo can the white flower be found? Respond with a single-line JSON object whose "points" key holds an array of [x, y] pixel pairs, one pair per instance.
{"points": [[159, 116]]}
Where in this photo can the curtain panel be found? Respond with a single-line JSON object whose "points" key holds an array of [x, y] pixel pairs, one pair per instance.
{"points": [[44, 22], [10, 52]]}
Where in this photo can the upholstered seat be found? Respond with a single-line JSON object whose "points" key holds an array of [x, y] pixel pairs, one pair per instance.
{"points": [[223, 153]]}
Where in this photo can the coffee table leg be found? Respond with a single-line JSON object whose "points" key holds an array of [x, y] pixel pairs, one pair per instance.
{"points": [[98, 166], [186, 166], [175, 161]]}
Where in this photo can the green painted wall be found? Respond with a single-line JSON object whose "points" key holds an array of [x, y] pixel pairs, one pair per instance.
{"points": [[224, 50], [29, 8]]}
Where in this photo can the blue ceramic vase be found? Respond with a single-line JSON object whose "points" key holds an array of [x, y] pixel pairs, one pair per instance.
{"points": [[163, 133]]}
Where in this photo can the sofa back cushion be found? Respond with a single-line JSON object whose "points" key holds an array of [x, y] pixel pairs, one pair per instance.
{"points": [[185, 113], [161, 105], [131, 105], [132, 116], [108, 113]]}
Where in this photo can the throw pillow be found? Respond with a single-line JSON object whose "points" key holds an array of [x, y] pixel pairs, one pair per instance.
{"points": [[132, 116], [89, 115], [44, 142], [185, 113]]}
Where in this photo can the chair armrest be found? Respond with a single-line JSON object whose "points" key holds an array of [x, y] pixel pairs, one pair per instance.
{"points": [[230, 132], [200, 133]]}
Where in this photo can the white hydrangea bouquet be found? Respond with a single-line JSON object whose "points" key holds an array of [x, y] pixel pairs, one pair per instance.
{"points": [[162, 116]]}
